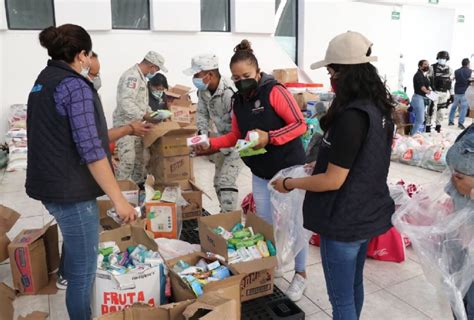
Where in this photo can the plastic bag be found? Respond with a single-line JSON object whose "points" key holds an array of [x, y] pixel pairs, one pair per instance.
{"points": [[172, 248], [435, 158], [290, 235], [443, 238]]}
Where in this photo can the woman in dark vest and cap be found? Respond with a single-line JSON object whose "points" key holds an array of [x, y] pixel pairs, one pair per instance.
{"points": [[348, 200], [263, 105], [69, 159]]}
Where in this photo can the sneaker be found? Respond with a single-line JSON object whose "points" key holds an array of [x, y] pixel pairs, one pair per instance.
{"points": [[61, 283], [461, 126], [451, 124], [438, 129], [297, 287]]}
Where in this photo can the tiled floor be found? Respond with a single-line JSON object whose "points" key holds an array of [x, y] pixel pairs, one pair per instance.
{"points": [[393, 291]]}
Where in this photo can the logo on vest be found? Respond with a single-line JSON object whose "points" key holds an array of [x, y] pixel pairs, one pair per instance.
{"points": [[257, 107]]}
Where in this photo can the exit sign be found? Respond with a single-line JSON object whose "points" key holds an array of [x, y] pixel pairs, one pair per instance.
{"points": [[461, 19], [433, 1], [395, 15]]}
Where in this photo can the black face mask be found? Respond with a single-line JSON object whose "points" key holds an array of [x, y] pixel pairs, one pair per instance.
{"points": [[246, 86]]}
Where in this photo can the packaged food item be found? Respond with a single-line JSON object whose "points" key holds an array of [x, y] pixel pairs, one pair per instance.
{"points": [[201, 140]]}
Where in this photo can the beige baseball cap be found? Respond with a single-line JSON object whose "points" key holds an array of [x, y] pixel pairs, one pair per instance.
{"points": [[157, 59], [346, 48], [202, 62]]}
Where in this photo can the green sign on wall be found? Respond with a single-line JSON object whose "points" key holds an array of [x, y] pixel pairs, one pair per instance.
{"points": [[461, 19], [395, 15], [433, 1]]}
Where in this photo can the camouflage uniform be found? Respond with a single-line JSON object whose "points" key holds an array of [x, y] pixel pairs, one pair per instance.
{"points": [[132, 105], [440, 105], [217, 109]]}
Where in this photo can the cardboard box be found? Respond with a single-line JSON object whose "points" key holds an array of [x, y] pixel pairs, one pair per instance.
{"points": [[34, 254], [470, 114], [222, 305], [113, 293], [191, 193], [259, 279], [7, 297], [163, 219], [286, 75], [179, 96], [8, 218], [130, 191], [303, 98], [170, 140], [170, 169], [181, 290]]}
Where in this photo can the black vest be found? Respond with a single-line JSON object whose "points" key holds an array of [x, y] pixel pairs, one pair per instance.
{"points": [[441, 78], [257, 113], [362, 208], [55, 172]]}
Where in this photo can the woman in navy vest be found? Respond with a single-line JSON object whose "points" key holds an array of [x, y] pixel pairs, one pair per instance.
{"points": [[69, 159], [348, 200], [264, 106]]}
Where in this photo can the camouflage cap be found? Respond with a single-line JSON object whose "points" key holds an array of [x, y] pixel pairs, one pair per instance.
{"points": [[157, 59], [202, 62]]}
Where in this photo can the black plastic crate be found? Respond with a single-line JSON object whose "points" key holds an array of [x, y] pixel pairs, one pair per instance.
{"points": [[190, 232], [275, 306]]}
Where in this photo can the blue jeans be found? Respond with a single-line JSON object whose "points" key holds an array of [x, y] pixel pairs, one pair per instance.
{"points": [[461, 101], [418, 105], [343, 265], [261, 196], [79, 224]]}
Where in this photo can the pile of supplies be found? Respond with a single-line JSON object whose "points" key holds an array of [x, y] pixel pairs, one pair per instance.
{"points": [[16, 138], [424, 150], [243, 244]]}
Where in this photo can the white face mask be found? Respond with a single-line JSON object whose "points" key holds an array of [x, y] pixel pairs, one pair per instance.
{"points": [[97, 81], [442, 61]]}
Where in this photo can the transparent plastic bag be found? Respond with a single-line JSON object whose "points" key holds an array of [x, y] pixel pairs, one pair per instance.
{"points": [[290, 235], [443, 238]]}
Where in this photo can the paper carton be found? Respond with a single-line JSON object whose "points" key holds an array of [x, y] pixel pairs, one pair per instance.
{"points": [[34, 254], [130, 191], [303, 98], [114, 293], [222, 304], [7, 296], [191, 193], [259, 279], [163, 219], [181, 290], [286, 75], [8, 218]]}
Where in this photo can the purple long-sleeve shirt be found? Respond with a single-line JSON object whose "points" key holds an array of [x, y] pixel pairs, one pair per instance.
{"points": [[74, 99]]}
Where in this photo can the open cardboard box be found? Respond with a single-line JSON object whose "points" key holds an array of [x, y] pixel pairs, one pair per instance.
{"points": [[303, 98], [168, 139], [7, 310], [181, 290], [8, 218], [171, 169], [34, 255], [130, 191], [260, 272], [191, 193], [111, 293], [219, 305]]}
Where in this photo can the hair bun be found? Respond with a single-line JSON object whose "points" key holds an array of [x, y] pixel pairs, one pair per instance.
{"points": [[244, 45], [49, 37]]}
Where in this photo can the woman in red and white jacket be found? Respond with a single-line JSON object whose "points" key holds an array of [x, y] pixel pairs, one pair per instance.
{"points": [[263, 105]]}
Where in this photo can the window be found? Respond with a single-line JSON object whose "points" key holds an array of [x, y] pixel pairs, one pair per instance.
{"points": [[131, 14], [286, 33], [215, 15], [29, 14]]}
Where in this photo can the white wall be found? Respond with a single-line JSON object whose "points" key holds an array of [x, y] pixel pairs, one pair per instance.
{"points": [[322, 21], [425, 32], [118, 50]]}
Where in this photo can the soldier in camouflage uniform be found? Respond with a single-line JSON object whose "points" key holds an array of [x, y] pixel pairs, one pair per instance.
{"points": [[214, 105], [132, 105]]}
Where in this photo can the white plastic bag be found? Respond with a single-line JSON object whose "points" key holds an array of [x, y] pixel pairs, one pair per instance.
{"points": [[172, 248], [443, 238], [290, 236]]}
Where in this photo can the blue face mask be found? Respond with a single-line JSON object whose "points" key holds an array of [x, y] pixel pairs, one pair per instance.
{"points": [[199, 84], [442, 61], [157, 94], [150, 75]]}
